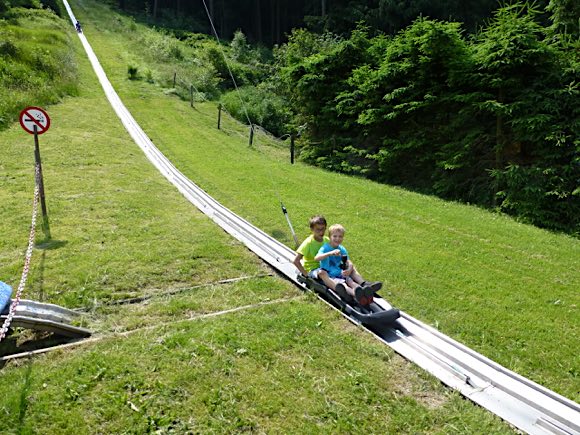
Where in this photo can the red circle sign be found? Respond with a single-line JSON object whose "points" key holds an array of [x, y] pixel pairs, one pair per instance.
{"points": [[34, 118]]}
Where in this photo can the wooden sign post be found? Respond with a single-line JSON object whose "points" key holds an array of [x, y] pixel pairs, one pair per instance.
{"points": [[36, 121]]}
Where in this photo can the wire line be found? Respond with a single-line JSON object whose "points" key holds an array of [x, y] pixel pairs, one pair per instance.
{"points": [[227, 63]]}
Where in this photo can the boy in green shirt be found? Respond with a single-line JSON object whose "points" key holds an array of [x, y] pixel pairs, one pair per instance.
{"points": [[304, 260], [307, 265]]}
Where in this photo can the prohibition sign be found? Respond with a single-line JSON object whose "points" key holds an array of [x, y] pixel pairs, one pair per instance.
{"points": [[34, 116]]}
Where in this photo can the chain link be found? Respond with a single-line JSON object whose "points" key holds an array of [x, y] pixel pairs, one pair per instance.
{"points": [[26, 269]]}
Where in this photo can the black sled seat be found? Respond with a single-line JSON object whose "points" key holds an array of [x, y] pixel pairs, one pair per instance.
{"points": [[372, 315]]}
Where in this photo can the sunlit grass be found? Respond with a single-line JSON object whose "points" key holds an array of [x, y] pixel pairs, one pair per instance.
{"points": [[116, 225], [37, 63], [272, 369], [506, 289], [119, 230]]}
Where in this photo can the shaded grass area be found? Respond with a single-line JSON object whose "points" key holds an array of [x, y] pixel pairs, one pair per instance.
{"points": [[508, 290], [282, 375]]}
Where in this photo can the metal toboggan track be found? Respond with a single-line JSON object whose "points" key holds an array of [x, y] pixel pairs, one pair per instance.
{"points": [[521, 402]]}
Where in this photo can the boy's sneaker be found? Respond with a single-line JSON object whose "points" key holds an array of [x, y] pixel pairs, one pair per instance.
{"points": [[369, 293], [360, 294], [374, 286], [340, 290]]}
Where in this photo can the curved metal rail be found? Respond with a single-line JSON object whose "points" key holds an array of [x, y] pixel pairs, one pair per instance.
{"points": [[47, 317], [523, 403]]}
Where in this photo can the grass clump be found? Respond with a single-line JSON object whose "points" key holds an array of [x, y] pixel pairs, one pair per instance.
{"points": [[37, 61], [133, 72]]}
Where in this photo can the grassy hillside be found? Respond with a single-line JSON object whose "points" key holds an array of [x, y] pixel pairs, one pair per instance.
{"points": [[280, 362], [506, 289], [37, 65]]}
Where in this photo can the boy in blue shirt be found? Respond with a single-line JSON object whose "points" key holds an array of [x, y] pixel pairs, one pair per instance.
{"points": [[334, 259]]}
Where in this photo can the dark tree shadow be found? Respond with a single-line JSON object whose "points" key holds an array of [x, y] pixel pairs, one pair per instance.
{"points": [[15, 343]]}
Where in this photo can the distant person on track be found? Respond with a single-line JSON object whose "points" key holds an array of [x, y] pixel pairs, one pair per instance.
{"points": [[334, 259], [304, 260], [78, 27]]}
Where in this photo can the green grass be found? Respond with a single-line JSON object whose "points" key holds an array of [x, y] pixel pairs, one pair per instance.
{"points": [[119, 230], [37, 63], [158, 57], [282, 375], [506, 289], [117, 226]]}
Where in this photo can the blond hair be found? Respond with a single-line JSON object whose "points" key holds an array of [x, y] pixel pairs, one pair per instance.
{"points": [[336, 228]]}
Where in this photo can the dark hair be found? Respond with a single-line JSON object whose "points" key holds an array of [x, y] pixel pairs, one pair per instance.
{"points": [[317, 220]]}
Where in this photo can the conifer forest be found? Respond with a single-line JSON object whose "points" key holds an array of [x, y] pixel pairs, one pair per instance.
{"points": [[474, 101]]}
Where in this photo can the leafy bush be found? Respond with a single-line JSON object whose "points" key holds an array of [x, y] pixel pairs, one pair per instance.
{"points": [[54, 5], [243, 74], [4, 6], [542, 196], [241, 50], [492, 120], [263, 106], [28, 4], [8, 49], [162, 47]]}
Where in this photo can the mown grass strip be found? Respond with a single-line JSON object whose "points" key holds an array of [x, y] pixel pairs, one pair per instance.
{"points": [[94, 339], [217, 375]]}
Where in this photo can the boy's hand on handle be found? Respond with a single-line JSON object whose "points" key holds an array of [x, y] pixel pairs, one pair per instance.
{"points": [[336, 252]]}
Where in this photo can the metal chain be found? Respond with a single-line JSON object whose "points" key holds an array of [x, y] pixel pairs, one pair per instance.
{"points": [[16, 300]]}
